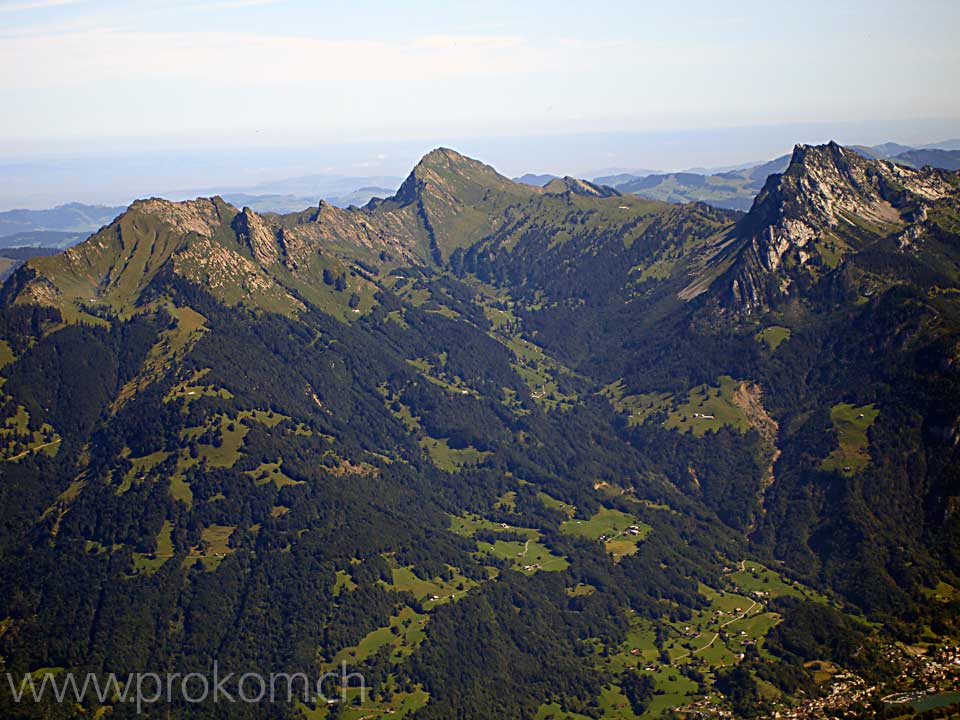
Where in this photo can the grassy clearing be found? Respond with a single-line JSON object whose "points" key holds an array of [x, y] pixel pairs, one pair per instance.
{"points": [[343, 583], [714, 646], [507, 501], [604, 524], [554, 504], [228, 434], [852, 423], [213, 548], [401, 704], [399, 410], [638, 407], [773, 336], [620, 533], [451, 459], [272, 473], [180, 490], [149, 563], [190, 390], [708, 409], [944, 592], [431, 592], [436, 374], [756, 578], [553, 711], [580, 590], [715, 636], [404, 633], [539, 373], [527, 557], [18, 439], [468, 524], [6, 353], [172, 345], [141, 467]]}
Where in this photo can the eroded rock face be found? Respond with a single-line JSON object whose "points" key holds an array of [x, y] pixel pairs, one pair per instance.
{"points": [[253, 232], [201, 216], [813, 213]]}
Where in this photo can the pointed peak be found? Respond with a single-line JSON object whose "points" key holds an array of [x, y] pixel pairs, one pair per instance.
{"points": [[456, 176], [443, 160]]}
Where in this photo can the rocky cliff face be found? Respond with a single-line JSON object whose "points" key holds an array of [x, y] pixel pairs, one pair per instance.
{"points": [[830, 202]]}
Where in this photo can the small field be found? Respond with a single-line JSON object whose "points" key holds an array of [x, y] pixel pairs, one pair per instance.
{"points": [[773, 336], [637, 407], [272, 473], [141, 467], [18, 439], [528, 557], [448, 458], [434, 591], [755, 578], [468, 524], [554, 504], [401, 704], [852, 424], [620, 533], [150, 563], [214, 547], [6, 353], [404, 633], [226, 435], [708, 409]]}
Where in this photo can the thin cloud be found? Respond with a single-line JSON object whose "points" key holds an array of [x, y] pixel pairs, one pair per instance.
{"points": [[35, 4], [109, 55]]}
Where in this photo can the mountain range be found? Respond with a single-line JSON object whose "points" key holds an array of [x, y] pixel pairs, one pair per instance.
{"points": [[506, 449], [735, 188]]}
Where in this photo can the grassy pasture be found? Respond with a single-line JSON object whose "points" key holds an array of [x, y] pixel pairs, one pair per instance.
{"points": [[709, 408], [852, 424]]}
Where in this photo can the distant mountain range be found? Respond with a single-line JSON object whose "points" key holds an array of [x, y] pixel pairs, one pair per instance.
{"points": [[70, 218], [66, 225], [295, 203], [535, 179]]}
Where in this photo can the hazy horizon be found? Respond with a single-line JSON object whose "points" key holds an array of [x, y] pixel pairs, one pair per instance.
{"points": [[107, 101], [119, 177]]}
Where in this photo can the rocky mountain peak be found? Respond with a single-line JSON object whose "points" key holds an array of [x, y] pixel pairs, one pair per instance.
{"points": [[454, 177], [254, 233], [829, 202]]}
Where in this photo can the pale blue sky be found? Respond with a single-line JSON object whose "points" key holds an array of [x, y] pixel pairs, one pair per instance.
{"points": [[111, 77]]}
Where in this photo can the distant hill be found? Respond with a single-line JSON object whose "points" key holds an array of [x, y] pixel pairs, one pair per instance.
{"points": [[883, 151], [952, 144], [944, 159], [733, 190], [13, 257], [275, 203], [42, 238], [534, 179], [72, 217]]}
